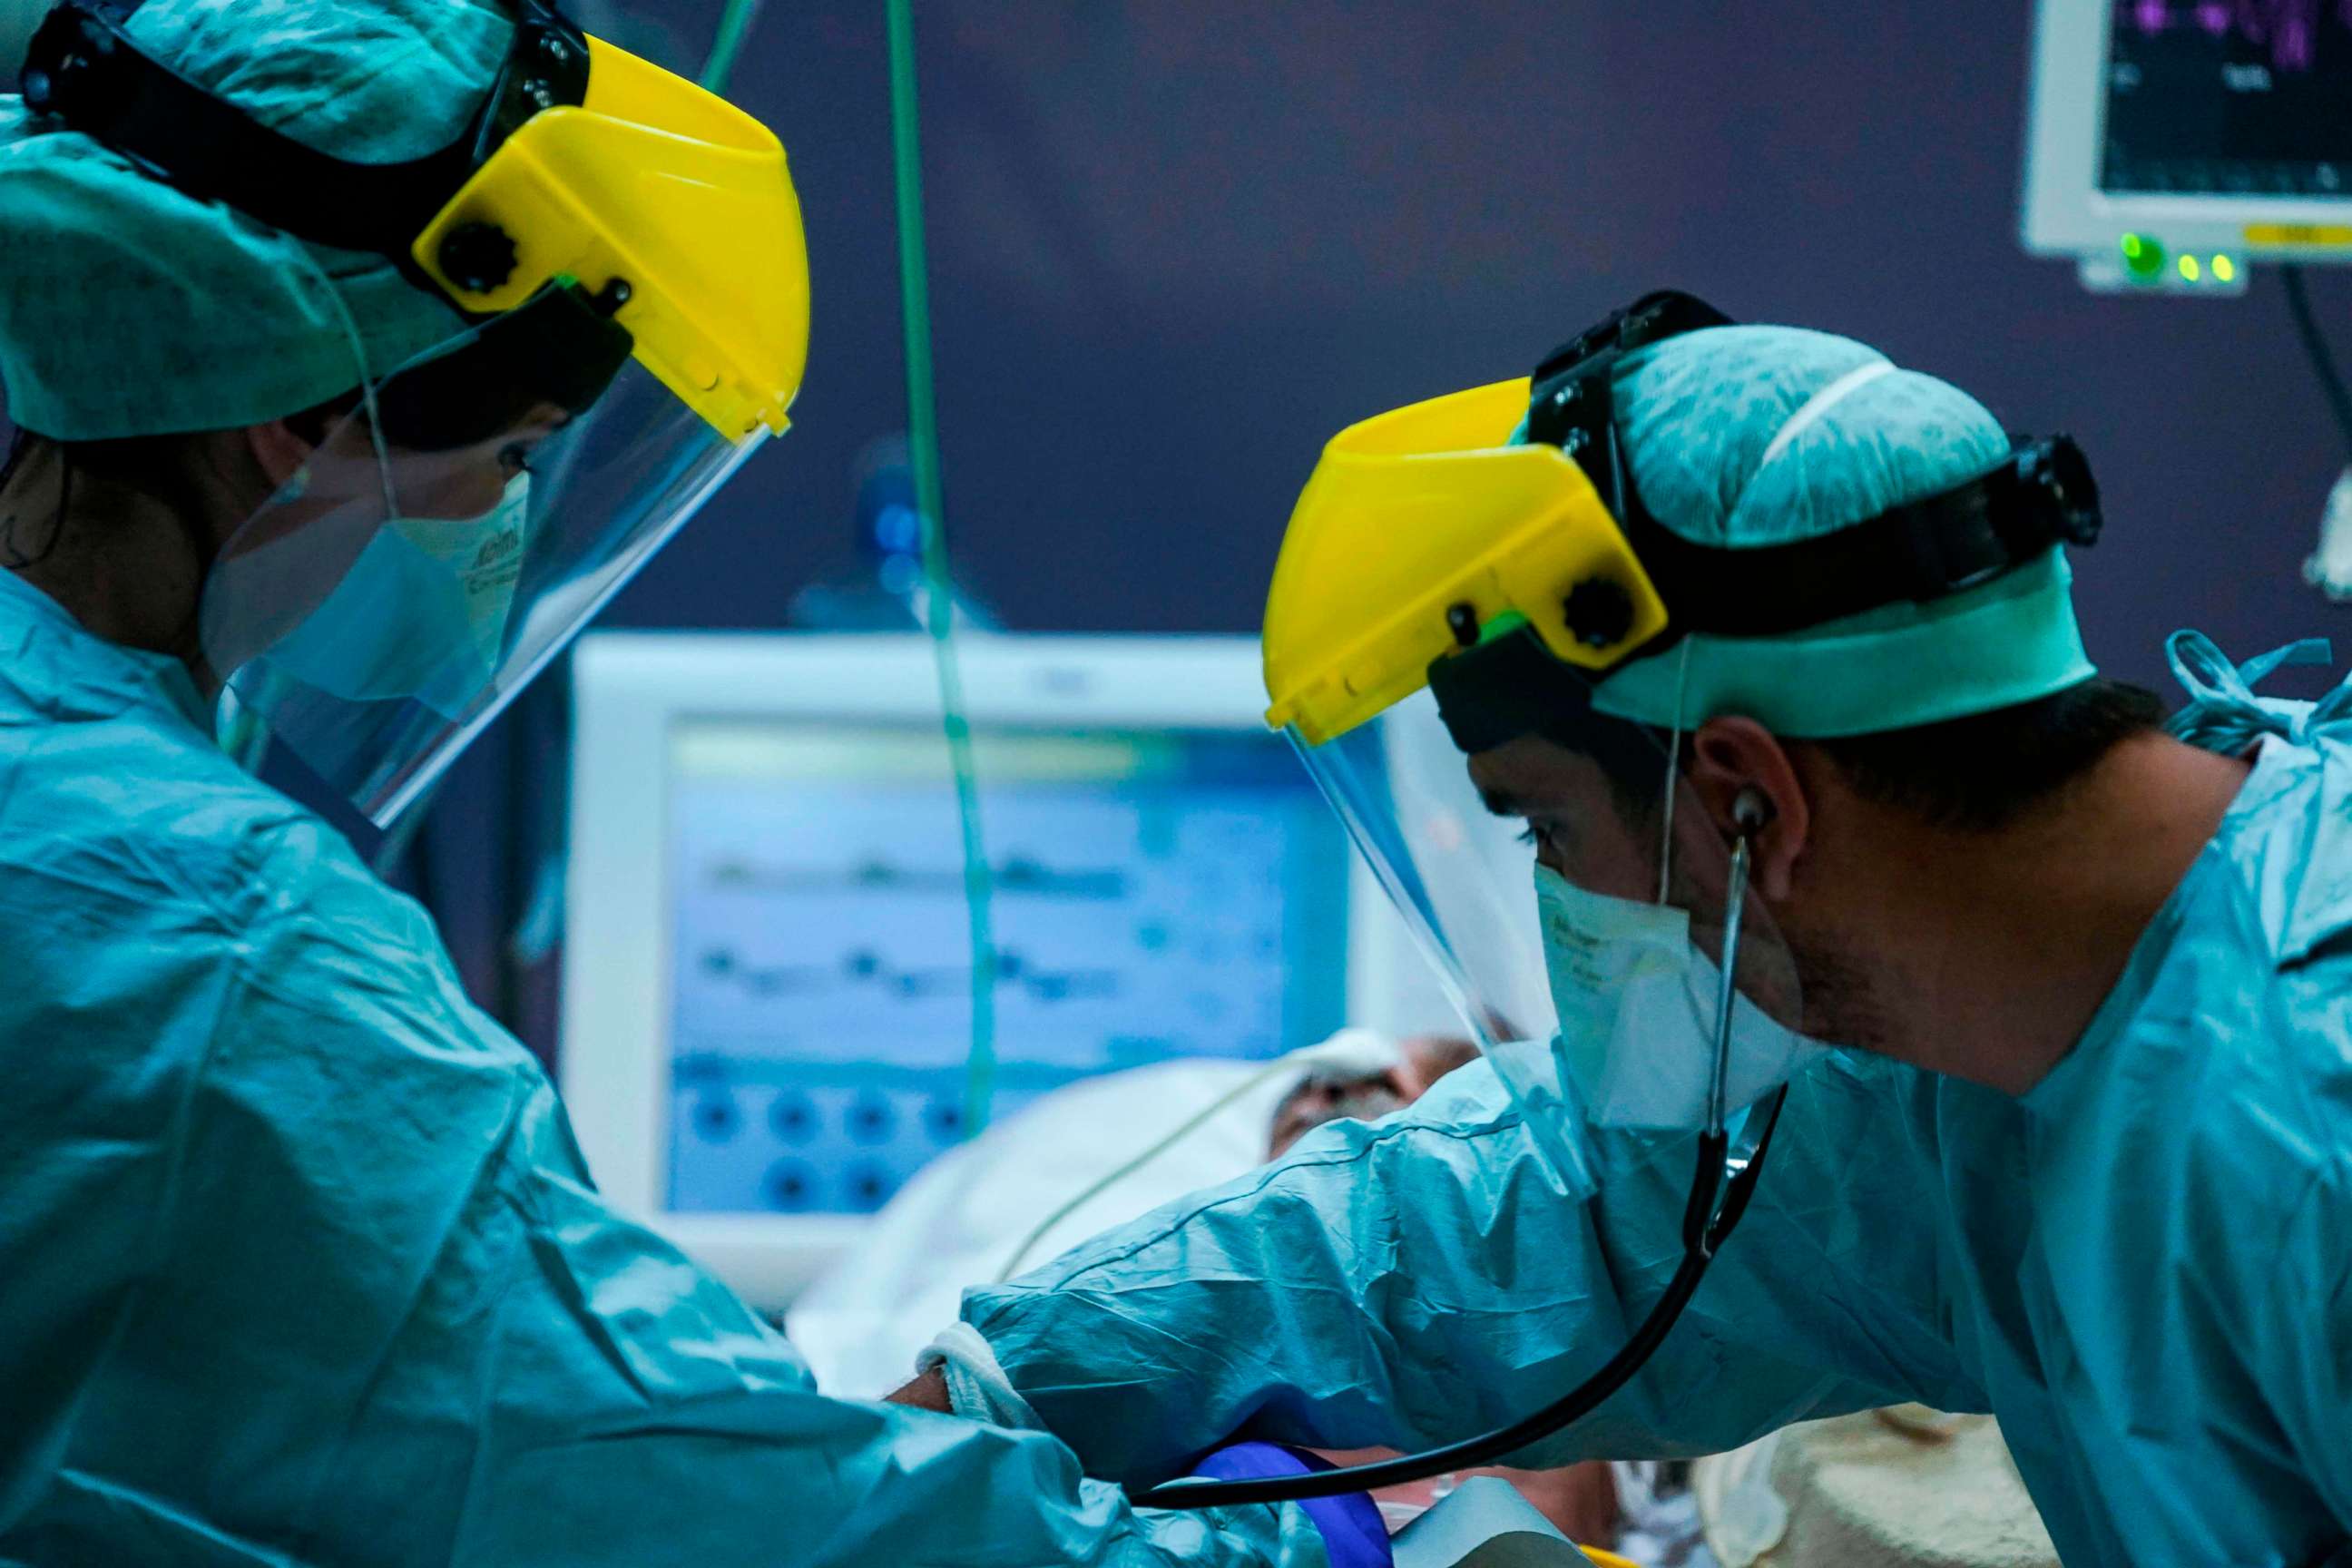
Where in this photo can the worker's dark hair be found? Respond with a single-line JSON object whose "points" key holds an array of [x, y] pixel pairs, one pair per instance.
{"points": [[156, 465], [1974, 774], [1986, 769]]}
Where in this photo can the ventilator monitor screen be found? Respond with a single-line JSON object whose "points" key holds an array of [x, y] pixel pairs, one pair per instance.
{"points": [[1156, 894], [2230, 98]]}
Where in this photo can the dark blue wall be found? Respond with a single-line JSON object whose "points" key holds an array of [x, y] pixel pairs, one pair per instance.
{"points": [[1175, 245]]}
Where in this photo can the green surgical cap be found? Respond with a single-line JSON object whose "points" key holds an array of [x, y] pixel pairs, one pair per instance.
{"points": [[1746, 436], [128, 309]]}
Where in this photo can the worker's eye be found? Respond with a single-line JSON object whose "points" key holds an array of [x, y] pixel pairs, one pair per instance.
{"points": [[1540, 835]]}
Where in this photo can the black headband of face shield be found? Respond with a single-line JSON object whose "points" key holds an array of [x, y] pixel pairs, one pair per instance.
{"points": [[84, 68], [2043, 494], [1511, 686], [559, 349]]}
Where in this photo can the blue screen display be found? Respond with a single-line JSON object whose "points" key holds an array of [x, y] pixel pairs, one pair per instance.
{"points": [[1153, 895]]}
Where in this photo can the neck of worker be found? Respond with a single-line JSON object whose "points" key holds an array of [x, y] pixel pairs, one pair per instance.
{"points": [[120, 561], [1984, 954]]}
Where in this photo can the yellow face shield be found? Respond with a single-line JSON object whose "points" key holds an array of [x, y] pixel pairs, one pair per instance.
{"points": [[626, 255], [583, 169], [1461, 626], [678, 197], [1442, 591], [1422, 531]]}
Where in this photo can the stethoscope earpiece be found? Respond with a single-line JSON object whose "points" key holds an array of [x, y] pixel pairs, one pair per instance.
{"points": [[1751, 811]]}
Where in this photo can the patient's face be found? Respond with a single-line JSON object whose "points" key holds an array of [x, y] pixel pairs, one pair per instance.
{"points": [[1316, 1102]]}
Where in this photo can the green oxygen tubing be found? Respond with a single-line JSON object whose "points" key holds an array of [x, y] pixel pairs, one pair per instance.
{"points": [[923, 445]]}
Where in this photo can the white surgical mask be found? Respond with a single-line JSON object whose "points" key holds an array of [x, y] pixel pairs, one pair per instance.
{"points": [[422, 614], [1637, 1005]]}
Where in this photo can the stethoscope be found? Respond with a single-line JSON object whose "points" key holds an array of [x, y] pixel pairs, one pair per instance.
{"points": [[1720, 1189]]}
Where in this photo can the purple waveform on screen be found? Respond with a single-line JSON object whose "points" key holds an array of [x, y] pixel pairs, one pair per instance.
{"points": [[2288, 29]]}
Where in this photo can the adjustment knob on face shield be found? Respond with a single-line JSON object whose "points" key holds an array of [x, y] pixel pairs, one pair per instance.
{"points": [[1599, 612], [2058, 470], [477, 257]]}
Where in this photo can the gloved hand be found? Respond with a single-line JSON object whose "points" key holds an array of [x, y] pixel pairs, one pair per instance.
{"points": [[1354, 1536]]}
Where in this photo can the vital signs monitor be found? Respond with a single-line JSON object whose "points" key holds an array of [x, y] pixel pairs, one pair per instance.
{"points": [[2170, 142], [768, 964]]}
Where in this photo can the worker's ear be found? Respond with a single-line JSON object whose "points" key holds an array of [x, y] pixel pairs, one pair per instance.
{"points": [[1731, 757], [278, 451], [282, 447]]}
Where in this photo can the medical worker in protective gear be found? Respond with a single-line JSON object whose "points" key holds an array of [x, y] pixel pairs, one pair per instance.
{"points": [[2052, 999], [359, 350]]}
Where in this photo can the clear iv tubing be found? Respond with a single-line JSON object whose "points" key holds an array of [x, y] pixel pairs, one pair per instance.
{"points": [[923, 449], [1176, 1135], [1720, 1189]]}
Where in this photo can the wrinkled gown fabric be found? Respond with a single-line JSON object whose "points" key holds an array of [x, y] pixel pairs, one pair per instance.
{"points": [[298, 1263]]}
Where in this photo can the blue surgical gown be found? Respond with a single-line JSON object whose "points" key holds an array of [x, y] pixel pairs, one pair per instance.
{"points": [[297, 1260], [2143, 1266]]}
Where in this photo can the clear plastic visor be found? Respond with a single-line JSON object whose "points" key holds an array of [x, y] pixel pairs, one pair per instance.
{"points": [[386, 602], [1593, 983]]}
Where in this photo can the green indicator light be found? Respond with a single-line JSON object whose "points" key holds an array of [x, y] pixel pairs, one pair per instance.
{"points": [[2142, 257], [2189, 269], [2224, 269]]}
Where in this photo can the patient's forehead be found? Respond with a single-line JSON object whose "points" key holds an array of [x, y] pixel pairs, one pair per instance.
{"points": [[1420, 1062], [1316, 1100]]}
